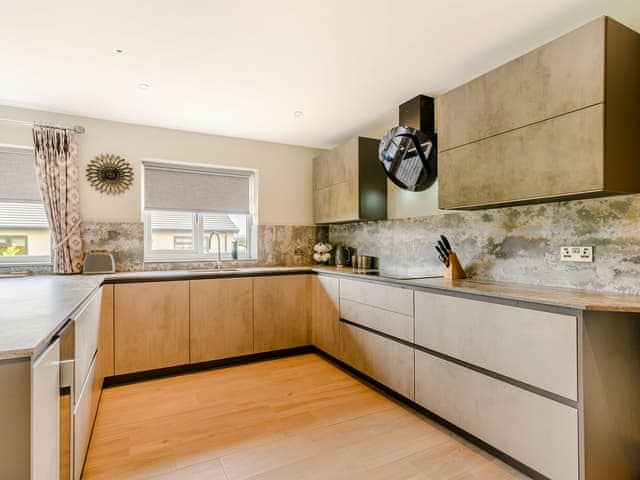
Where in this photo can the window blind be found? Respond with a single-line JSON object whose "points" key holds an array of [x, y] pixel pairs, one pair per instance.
{"points": [[18, 172], [186, 189]]}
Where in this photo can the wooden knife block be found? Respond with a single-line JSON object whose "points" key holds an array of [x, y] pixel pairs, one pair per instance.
{"points": [[454, 271]]}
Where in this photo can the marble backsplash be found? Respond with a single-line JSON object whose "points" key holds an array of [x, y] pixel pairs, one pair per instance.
{"points": [[287, 245], [515, 244]]}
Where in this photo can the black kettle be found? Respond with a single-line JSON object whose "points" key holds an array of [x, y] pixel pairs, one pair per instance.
{"points": [[344, 255]]}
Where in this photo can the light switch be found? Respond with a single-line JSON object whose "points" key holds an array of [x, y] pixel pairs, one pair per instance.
{"points": [[576, 254]]}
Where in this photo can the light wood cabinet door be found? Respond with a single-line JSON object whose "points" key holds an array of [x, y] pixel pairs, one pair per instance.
{"points": [[221, 313], [387, 361], [105, 344], [326, 315], [151, 325], [281, 312], [45, 414]]}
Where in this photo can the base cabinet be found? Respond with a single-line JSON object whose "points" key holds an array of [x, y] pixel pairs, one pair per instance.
{"points": [[221, 318], [151, 326], [281, 312], [535, 430], [326, 314], [385, 360]]}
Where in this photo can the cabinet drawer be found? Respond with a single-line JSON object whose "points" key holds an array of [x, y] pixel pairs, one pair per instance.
{"points": [[87, 328], [388, 362], [539, 432], [396, 299], [534, 347], [391, 323], [83, 417]]}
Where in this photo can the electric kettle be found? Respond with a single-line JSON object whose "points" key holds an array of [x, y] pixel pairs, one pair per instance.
{"points": [[343, 256]]}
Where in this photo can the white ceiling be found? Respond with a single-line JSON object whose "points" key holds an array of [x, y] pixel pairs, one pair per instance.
{"points": [[242, 68]]}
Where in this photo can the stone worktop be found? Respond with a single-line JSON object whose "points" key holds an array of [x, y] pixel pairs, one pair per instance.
{"points": [[33, 309], [551, 296]]}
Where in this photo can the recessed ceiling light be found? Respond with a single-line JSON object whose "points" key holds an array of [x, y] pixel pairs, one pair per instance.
{"points": [[118, 51], [297, 114], [144, 86]]}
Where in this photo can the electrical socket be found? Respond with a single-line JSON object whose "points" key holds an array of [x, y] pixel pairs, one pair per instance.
{"points": [[576, 254]]}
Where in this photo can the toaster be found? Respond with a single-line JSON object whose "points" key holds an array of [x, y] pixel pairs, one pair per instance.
{"points": [[99, 261]]}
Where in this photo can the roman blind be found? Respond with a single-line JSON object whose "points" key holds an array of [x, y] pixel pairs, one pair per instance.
{"points": [[195, 189], [18, 173]]}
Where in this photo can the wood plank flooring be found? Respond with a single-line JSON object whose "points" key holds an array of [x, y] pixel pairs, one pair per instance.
{"points": [[293, 418]]}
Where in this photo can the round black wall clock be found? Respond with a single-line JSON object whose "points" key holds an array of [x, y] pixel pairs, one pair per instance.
{"points": [[110, 174]]}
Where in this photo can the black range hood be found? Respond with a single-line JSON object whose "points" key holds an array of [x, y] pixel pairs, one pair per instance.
{"points": [[408, 152]]}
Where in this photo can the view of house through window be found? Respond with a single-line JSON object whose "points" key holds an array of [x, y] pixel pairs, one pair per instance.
{"points": [[197, 233], [24, 233]]}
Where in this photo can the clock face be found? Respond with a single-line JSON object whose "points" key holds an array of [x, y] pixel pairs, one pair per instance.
{"points": [[110, 174]]}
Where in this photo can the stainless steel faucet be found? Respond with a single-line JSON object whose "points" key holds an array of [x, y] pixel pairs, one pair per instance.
{"points": [[219, 262]]}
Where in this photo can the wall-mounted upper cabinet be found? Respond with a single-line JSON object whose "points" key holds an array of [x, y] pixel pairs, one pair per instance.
{"points": [[559, 122], [349, 184]]}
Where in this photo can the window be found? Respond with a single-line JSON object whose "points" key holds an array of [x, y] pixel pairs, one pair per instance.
{"points": [[24, 230], [188, 210]]}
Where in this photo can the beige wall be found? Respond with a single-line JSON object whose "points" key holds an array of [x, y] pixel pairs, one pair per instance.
{"points": [[402, 203], [284, 171]]}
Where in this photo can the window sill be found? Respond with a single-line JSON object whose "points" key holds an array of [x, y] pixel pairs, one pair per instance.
{"points": [[197, 260], [25, 264]]}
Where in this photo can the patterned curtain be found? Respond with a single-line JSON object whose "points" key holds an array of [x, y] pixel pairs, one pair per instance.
{"points": [[57, 170]]}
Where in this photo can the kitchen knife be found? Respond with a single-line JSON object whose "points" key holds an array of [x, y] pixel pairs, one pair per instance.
{"points": [[442, 256], [443, 248], [447, 245]]}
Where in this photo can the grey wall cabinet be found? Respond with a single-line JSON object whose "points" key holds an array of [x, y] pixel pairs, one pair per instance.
{"points": [[559, 122], [349, 184]]}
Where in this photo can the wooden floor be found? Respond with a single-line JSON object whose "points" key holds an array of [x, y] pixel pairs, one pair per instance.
{"points": [[292, 418]]}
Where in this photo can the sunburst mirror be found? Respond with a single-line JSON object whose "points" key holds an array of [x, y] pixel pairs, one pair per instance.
{"points": [[110, 174]]}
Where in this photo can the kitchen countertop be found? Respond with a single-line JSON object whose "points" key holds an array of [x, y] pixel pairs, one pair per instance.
{"points": [[166, 275], [32, 309], [553, 296]]}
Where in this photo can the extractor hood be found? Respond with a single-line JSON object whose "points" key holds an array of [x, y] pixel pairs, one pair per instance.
{"points": [[408, 152]]}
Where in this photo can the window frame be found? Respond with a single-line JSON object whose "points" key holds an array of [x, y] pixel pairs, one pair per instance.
{"points": [[197, 253]]}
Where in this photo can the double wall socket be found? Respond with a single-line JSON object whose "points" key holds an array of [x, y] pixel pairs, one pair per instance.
{"points": [[576, 254]]}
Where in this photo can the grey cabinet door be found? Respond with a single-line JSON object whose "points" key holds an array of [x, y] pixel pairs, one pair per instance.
{"points": [[534, 347], [535, 430], [387, 361], [552, 159], [560, 77]]}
